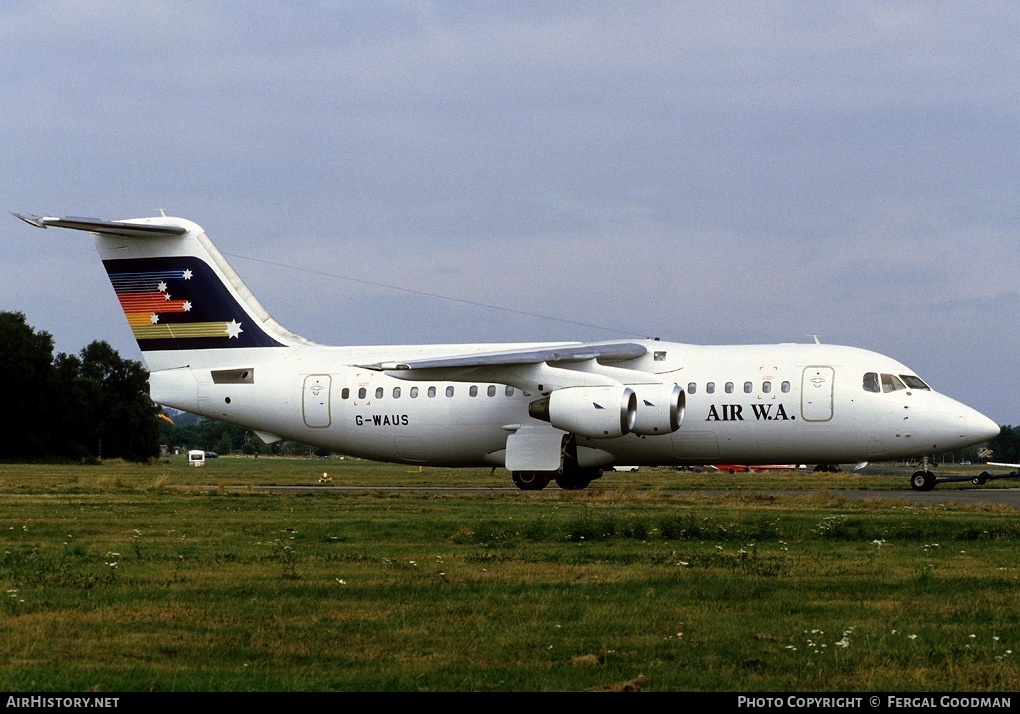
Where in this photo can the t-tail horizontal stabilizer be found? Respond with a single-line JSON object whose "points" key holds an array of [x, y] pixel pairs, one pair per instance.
{"points": [[183, 301], [131, 229]]}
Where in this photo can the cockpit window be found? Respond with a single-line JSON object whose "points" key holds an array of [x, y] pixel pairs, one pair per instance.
{"points": [[874, 382], [871, 382], [890, 383], [914, 382]]}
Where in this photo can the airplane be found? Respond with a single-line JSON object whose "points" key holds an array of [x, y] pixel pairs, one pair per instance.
{"points": [[550, 411]]}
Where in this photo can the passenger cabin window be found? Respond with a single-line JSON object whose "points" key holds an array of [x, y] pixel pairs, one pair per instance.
{"points": [[509, 391], [345, 393], [766, 387], [710, 388], [362, 393], [449, 391], [378, 392], [729, 387], [473, 392], [414, 392], [692, 388], [396, 392], [785, 387], [432, 392], [491, 391], [748, 387]]}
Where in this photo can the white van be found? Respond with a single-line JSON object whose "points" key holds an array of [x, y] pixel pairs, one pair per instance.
{"points": [[196, 458]]}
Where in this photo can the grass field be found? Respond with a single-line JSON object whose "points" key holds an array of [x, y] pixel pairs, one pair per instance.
{"points": [[126, 578]]}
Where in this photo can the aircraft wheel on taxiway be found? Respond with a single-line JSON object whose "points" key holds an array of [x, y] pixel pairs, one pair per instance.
{"points": [[922, 481], [577, 479], [572, 483], [530, 480]]}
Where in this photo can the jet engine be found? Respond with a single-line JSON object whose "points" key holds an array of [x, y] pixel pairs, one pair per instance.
{"points": [[594, 412], [660, 408]]}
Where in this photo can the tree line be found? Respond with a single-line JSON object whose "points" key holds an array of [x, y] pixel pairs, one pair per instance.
{"points": [[1005, 447], [84, 407], [189, 431], [95, 405]]}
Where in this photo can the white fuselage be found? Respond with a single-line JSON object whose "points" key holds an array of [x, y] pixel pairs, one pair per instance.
{"points": [[746, 404]]}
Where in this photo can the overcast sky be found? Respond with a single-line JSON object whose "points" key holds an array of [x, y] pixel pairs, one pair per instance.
{"points": [[703, 172]]}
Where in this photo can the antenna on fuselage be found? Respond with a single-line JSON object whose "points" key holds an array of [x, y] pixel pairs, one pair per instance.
{"points": [[817, 341]]}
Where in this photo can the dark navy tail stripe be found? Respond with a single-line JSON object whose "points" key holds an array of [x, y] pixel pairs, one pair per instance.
{"points": [[180, 303]]}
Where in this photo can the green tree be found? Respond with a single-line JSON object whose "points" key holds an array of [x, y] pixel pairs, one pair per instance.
{"points": [[80, 407], [122, 417], [68, 423], [194, 432], [26, 395], [1006, 446]]}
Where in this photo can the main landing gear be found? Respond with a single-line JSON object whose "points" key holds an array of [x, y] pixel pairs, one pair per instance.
{"points": [[576, 479], [531, 480], [569, 479]]}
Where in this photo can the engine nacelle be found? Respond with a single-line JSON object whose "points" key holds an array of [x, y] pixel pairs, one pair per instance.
{"points": [[660, 408], [594, 412]]}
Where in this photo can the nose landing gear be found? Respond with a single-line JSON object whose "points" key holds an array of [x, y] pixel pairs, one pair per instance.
{"points": [[925, 480]]}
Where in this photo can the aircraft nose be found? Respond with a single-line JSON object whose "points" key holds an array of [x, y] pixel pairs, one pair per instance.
{"points": [[960, 426], [980, 428]]}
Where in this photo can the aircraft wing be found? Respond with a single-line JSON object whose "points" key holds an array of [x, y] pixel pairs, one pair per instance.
{"points": [[535, 369], [567, 352]]}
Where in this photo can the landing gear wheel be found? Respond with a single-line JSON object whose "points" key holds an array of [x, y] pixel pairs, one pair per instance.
{"points": [[979, 480], [530, 480], [577, 479], [572, 483], [922, 481]]}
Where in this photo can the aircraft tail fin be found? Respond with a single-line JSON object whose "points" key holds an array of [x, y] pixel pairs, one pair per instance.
{"points": [[186, 306]]}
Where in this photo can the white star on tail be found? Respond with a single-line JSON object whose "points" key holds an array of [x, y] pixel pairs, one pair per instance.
{"points": [[233, 329]]}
